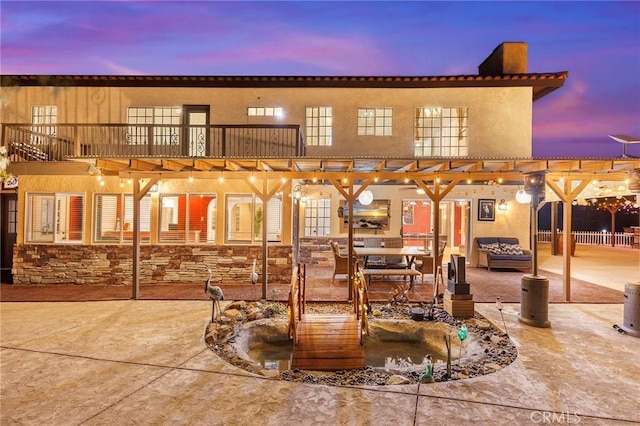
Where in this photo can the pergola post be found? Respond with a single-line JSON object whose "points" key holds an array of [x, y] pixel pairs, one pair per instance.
{"points": [[138, 195], [265, 195], [567, 195]]}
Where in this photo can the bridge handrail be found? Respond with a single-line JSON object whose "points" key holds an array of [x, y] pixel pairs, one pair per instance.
{"points": [[360, 301], [297, 299]]}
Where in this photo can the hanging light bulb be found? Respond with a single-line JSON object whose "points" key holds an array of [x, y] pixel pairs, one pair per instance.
{"points": [[522, 197], [365, 197]]}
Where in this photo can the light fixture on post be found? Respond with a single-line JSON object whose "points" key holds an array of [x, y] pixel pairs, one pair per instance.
{"points": [[366, 197], [502, 205]]}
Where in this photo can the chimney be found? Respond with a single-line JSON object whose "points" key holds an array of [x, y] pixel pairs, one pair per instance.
{"points": [[509, 57]]}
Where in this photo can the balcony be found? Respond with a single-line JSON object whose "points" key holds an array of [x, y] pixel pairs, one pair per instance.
{"points": [[59, 142]]}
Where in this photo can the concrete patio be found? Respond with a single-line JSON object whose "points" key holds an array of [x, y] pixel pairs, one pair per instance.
{"points": [[145, 362]]}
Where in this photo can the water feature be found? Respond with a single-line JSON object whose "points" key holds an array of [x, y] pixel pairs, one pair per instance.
{"points": [[390, 345]]}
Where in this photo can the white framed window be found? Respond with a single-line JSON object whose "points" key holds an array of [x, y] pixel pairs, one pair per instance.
{"points": [[43, 118], [264, 111], [187, 218], [55, 218], [375, 121], [317, 217], [244, 218], [441, 131], [165, 120], [113, 218], [319, 129]]}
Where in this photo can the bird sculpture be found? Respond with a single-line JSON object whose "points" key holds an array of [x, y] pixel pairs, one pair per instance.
{"points": [[216, 295], [254, 274]]}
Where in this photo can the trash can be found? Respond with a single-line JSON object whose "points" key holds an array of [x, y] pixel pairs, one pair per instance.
{"points": [[534, 301], [631, 320]]}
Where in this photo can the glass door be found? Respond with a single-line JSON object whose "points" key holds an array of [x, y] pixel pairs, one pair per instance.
{"points": [[197, 134]]}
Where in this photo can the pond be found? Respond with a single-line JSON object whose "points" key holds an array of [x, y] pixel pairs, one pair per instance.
{"points": [[390, 345]]}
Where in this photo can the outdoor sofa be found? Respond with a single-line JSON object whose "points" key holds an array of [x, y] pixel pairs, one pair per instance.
{"points": [[503, 253]]}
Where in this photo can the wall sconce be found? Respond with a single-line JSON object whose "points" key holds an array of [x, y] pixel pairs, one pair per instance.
{"points": [[502, 205], [299, 194]]}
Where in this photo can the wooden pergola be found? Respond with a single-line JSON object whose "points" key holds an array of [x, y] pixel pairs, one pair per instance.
{"points": [[565, 178]]}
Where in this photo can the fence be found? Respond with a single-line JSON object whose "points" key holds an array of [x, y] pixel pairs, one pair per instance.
{"points": [[592, 237]]}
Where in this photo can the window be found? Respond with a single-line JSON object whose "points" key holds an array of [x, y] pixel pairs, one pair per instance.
{"points": [[319, 126], [264, 111], [189, 218], [375, 121], [113, 218], [244, 217], [55, 218], [317, 217], [43, 118], [441, 132], [165, 121]]}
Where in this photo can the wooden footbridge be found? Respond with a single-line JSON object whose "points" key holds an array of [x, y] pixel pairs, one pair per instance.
{"points": [[326, 342]]}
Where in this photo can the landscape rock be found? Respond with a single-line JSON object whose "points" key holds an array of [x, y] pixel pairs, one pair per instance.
{"points": [[398, 380]]}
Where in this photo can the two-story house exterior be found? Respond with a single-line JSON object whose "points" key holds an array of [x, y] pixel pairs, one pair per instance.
{"points": [[222, 170]]}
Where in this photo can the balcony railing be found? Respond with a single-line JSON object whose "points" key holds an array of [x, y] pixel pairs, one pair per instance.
{"points": [[29, 142]]}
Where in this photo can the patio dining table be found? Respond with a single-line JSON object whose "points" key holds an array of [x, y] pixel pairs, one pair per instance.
{"points": [[410, 253]]}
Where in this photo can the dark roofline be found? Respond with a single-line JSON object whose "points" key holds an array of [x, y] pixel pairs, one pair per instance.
{"points": [[542, 83]]}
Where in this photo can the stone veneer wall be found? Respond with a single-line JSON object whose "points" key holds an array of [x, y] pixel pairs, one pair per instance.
{"points": [[159, 264]]}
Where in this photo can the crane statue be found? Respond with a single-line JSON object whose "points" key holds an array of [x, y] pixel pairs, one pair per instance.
{"points": [[216, 295], [254, 274]]}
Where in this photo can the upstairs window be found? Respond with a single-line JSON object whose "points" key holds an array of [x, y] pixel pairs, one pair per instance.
{"points": [[55, 218], [375, 121], [441, 132], [164, 120], [44, 118], [264, 111], [319, 126]]}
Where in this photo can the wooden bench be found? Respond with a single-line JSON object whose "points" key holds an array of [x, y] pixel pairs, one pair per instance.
{"points": [[411, 273]]}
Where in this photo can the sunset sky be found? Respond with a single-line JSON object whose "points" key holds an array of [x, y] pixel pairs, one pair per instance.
{"points": [[598, 43]]}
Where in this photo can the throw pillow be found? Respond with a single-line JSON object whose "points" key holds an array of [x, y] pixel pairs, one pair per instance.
{"points": [[494, 248], [510, 249]]}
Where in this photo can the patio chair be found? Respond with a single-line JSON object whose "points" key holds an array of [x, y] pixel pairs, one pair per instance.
{"points": [[425, 264], [340, 262], [394, 261], [374, 261]]}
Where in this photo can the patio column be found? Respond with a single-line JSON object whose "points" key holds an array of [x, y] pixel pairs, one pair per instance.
{"points": [[437, 195], [265, 195], [567, 195], [138, 195]]}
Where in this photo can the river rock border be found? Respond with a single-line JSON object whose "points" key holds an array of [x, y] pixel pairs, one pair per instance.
{"points": [[489, 348]]}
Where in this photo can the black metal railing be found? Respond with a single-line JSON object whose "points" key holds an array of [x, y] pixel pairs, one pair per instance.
{"points": [[28, 142]]}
